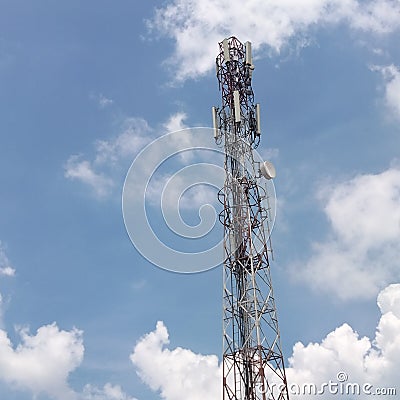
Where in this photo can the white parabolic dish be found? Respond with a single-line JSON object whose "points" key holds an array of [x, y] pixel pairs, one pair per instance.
{"points": [[267, 170]]}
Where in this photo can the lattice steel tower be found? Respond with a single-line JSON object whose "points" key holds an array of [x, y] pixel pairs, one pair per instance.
{"points": [[253, 366]]}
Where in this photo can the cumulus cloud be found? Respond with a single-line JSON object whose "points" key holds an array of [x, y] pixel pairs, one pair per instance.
{"points": [[360, 255], [389, 300], [196, 26], [41, 363], [363, 360], [181, 374], [391, 77], [178, 374]]}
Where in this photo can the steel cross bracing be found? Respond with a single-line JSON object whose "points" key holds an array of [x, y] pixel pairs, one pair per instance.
{"points": [[253, 365]]}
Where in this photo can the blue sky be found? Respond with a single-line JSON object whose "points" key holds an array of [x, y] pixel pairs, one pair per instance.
{"points": [[85, 86]]}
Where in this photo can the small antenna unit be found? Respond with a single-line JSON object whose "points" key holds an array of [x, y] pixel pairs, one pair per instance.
{"points": [[215, 122], [248, 53], [236, 102], [258, 120], [227, 56]]}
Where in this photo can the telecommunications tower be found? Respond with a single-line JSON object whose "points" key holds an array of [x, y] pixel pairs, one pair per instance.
{"points": [[253, 367]]}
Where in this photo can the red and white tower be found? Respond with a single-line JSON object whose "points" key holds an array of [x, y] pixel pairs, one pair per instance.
{"points": [[253, 364]]}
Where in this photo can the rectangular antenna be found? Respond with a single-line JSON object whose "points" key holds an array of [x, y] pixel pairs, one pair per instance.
{"points": [[249, 60], [236, 103], [227, 55], [215, 122], [258, 119]]}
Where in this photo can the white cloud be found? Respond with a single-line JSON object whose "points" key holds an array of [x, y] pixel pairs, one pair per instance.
{"points": [[136, 133], [84, 171], [196, 26], [360, 255], [110, 155], [111, 160], [7, 271], [108, 392], [176, 122], [362, 359], [177, 374], [181, 374], [42, 363], [5, 266], [389, 300], [391, 76]]}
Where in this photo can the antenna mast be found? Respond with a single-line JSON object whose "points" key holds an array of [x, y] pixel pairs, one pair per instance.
{"points": [[253, 365]]}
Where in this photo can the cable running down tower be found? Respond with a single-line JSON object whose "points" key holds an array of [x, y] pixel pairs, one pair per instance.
{"points": [[253, 365]]}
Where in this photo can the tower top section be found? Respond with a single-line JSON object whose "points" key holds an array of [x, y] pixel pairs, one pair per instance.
{"points": [[233, 50], [234, 68]]}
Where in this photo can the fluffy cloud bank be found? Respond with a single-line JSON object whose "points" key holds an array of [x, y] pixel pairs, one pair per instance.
{"points": [[374, 363], [177, 374], [41, 363], [181, 374], [196, 26], [360, 255]]}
